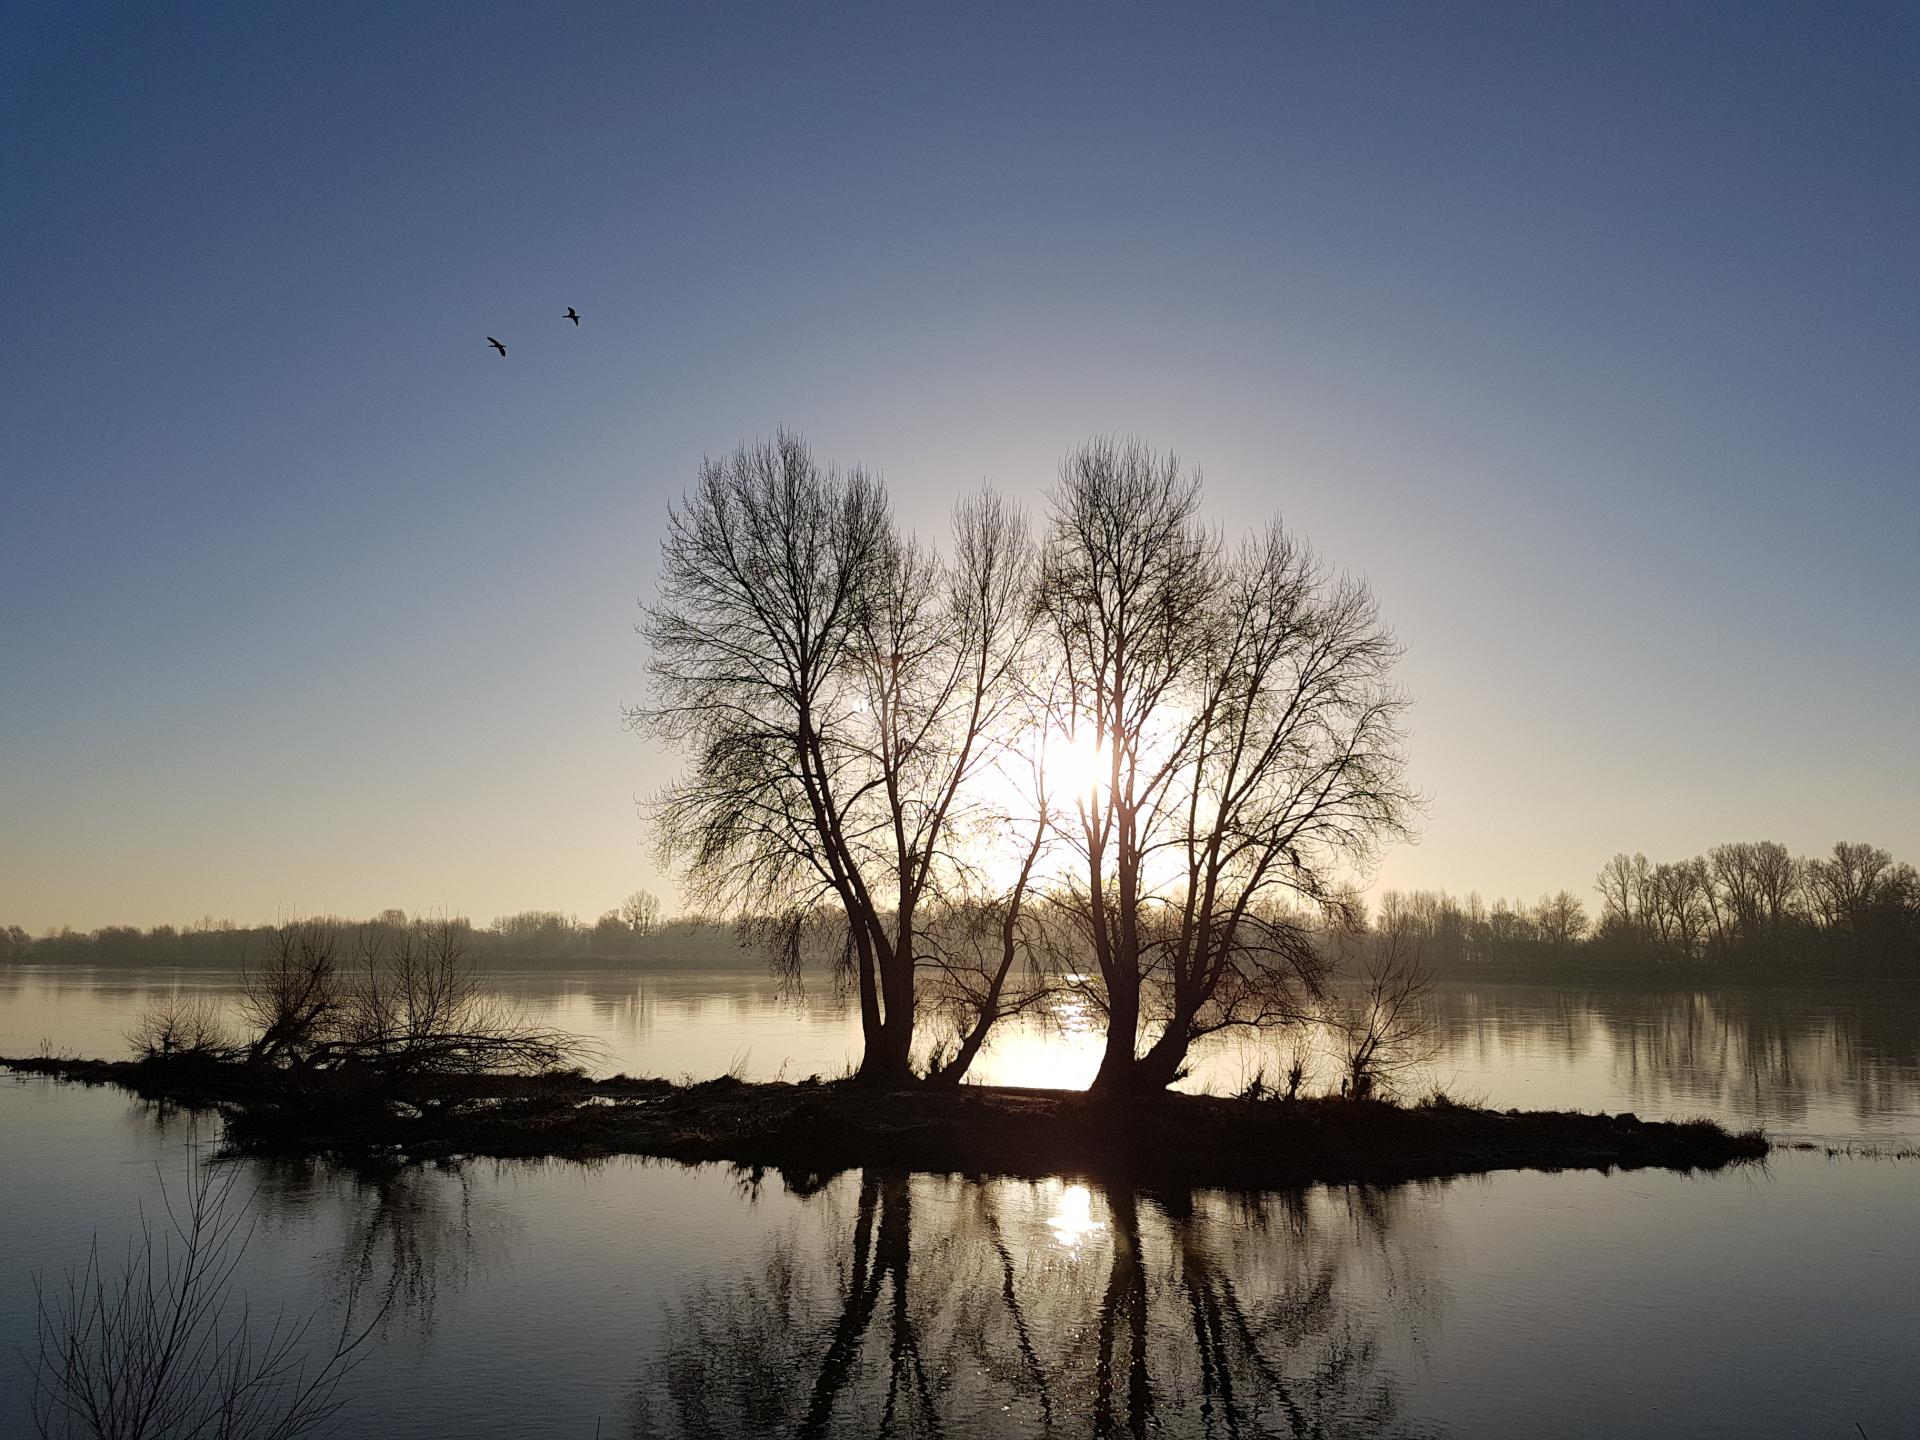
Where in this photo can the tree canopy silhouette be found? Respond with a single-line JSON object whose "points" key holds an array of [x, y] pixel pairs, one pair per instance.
{"points": [[850, 702], [837, 686], [1241, 699]]}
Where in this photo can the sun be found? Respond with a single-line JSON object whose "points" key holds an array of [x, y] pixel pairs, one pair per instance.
{"points": [[1040, 777], [1075, 765]]}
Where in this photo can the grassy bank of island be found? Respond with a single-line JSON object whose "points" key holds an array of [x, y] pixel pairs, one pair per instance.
{"points": [[812, 1129]]}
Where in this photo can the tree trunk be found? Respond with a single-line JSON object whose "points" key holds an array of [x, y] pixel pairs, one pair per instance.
{"points": [[889, 1060], [889, 1052], [1161, 1065], [870, 1015], [1116, 1073]]}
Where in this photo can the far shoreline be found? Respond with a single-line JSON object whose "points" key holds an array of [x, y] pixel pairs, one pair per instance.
{"points": [[1664, 978]]}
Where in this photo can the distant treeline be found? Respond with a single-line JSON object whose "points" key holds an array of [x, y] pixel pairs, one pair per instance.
{"points": [[634, 934], [1749, 905], [1746, 906]]}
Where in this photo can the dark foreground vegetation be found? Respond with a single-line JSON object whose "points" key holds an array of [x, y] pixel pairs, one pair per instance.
{"points": [[815, 1129]]}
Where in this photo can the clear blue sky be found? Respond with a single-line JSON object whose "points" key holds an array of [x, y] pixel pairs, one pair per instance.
{"points": [[1591, 334]]}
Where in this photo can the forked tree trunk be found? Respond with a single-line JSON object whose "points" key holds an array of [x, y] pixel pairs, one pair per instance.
{"points": [[889, 1049], [1164, 1061], [1118, 1063]]}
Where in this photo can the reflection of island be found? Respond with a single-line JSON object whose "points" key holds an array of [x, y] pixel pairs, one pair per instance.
{"points": [[944, 1307]]}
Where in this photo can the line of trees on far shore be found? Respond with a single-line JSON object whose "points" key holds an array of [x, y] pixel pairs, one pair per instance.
{"points": [[636, 930], [1749, 905]]}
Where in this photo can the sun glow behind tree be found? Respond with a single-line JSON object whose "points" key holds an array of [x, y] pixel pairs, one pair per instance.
{"points": [[1134, 764]]}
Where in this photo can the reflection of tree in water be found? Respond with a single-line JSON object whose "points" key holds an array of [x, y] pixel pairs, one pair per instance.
{"points": [[411, 1233], [1768, 1053], [946, 1307]]}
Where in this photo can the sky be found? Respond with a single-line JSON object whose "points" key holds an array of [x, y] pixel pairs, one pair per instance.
{"points": [[1589, 335]]}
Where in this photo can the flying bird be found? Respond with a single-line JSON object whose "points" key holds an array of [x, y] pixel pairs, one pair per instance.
{"points": [[573, 315], [498, 346]]}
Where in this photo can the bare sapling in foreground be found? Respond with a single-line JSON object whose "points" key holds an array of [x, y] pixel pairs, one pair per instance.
{"points": [[160, 1346]]}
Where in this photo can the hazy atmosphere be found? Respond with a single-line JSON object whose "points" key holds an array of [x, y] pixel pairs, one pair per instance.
{"points": [[1588, 337]]}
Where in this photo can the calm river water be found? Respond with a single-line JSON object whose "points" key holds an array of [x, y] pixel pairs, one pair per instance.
{"points": [[635, 1298]]}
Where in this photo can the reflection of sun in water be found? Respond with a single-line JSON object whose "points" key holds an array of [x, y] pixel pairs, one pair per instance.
{"points": [[1074, 1221]]}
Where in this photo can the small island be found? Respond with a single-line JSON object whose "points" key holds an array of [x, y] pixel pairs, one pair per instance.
{"points": [[405, 1054], [812, 1130]]}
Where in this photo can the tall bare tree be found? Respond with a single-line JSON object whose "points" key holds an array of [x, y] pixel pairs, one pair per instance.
{"points": [[1561, 919], [1845, 886], [1241, 702], [836, 686], [641, 911], [1754, 886], [1682, 911], [1626, 889]]}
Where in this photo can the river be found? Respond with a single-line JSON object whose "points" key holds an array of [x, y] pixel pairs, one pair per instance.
{"points": [[639, 1298]]}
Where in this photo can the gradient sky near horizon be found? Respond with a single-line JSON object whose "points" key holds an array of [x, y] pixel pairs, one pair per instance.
{"points": [[1590, 334]]}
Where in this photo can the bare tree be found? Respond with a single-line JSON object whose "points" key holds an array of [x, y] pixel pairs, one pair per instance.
{"points": [[160, 1348], [1625, 884], [410, 1002], [1778, 880], [1754, 886], [291, 996], [1386, 1030], [1561, 919], [1681, 913], [836, 686], [1845, 886], [1241, 704], [641, 912]]}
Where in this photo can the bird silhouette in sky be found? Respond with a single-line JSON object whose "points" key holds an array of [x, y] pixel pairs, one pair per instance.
{"points": [[498, 346], [573, 315]]}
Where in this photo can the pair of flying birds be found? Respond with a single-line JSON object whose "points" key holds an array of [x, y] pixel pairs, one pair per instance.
{"points": [[572, 314]]}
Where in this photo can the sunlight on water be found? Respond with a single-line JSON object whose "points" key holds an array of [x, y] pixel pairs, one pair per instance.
{"points": [[1073, 1222], [660, 1300]]}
